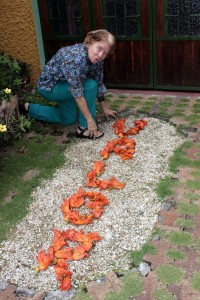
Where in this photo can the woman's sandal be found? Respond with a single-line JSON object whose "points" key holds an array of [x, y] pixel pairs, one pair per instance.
{"points": [[81, 134], [22, 109]]}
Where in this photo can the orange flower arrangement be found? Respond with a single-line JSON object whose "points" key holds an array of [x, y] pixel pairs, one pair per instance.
{"points": [[96, 203], [123, 146], [93, 181], [60, 252]]}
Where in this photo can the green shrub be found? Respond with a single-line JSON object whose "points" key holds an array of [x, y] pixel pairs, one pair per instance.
{"points": [[13, 74]]}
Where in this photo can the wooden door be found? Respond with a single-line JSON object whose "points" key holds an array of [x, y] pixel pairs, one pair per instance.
{"points": [[176, 44], [65, 22]]}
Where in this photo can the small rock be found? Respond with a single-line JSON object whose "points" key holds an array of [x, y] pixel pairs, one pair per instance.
{"points": [[166, 206], [156, 237], [171, 201], [39, 296], [160, 218], [25, 292], [3, 285], [101, 280], [144, 269], [60, 295]]}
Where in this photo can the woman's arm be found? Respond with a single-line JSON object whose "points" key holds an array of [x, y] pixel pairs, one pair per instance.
{"points": [[92, 127]]}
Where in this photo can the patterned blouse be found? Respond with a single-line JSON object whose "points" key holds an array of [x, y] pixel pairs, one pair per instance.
{"points": [[73, 65]]}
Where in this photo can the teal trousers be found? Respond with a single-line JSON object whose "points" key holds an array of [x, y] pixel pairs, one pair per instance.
{"points": [[67, 112]]}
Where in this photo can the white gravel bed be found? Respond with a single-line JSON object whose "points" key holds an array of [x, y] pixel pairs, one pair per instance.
{"points": [[126, 223]]}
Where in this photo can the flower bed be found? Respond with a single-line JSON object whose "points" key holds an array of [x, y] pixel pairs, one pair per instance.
{"points": [[125, 225]]}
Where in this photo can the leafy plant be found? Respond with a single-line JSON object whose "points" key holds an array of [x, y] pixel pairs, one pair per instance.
{"points": [[181, 238], [163, 295], [176, 255], [168, 274], [15, 127], [196, 281], [137, 256], [131, 286], [13, 73], [185, 223], [24, 123], [189, 209], [165, 187]]}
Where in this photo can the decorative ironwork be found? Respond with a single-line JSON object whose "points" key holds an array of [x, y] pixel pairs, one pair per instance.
{"points": [[183, 17], [122, 17], [64, 17]]}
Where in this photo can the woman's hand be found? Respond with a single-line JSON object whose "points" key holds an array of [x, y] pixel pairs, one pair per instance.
{"points": [[92, 128], [109, 113]]}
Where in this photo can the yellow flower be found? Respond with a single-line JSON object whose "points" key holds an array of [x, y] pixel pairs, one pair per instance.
{"points": [[7, 91], [3, 128]]}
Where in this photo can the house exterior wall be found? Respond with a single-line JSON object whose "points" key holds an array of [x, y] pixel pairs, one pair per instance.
{"points": [[18, 33]]}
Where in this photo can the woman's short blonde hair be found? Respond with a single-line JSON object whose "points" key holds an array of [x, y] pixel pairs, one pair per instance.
{"points": [[100, 35]]}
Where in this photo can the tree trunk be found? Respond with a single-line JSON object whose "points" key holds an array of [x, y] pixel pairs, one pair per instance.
{"points": [[9, 114]]}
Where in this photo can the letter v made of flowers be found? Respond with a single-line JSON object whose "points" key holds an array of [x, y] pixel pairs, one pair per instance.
{"points": [[60, 251]]}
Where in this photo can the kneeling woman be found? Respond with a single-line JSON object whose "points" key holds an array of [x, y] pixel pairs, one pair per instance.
{"points": [[74, 79]]}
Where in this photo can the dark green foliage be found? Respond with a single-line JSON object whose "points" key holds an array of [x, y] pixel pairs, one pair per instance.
{"points": [[137, 256], [13, 73]]}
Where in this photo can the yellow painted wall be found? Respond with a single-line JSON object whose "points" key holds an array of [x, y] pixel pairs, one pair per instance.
{"points": [[17, 33]]}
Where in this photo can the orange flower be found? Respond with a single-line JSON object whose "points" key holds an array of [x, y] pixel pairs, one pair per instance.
{"points": [[97, 197], [59, 240], [108, 149], [99, 167], [91, 176], [103, 184], [64, 253], [140, 123], [72, 235], [97, 212], [61, 273], [93, 204], [77, 219], [119, 126], [45, 259], [65, 284], [92, 180], [77, 199], [58, 243], [65, 206], [87, 246], [124, 153], [79, 236], [133, 131], [122, 141], [80, 252], [93, 236], [112, 183], [61, 262]]}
